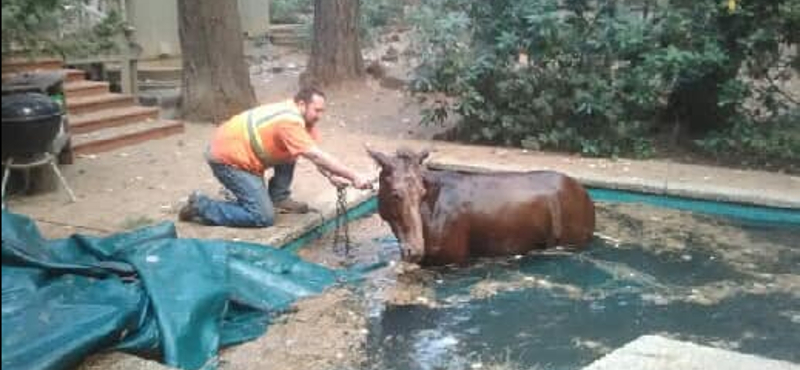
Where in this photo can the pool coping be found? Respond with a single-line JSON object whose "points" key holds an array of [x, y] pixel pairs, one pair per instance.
{"points": [[690, 190], [359, 204], [657, 352], [313, 228]]}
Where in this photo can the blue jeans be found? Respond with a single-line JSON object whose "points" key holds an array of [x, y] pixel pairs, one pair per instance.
{"points": [[254, 202]]}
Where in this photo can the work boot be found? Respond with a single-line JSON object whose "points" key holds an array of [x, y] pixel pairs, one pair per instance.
{"points": [[189, 212], [291, 206]]}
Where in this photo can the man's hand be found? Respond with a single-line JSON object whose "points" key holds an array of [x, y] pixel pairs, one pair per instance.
{"points": [[362, 183], [339, 182], [331, 168]]}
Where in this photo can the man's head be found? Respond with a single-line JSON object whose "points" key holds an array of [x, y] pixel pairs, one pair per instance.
{"points": [[311, 102]]}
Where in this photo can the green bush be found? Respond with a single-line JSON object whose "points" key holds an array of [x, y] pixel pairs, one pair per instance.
{"points": [[602, 78], [290, 11], [776, 140], [22, 23], [32, 27], [376, 15]]}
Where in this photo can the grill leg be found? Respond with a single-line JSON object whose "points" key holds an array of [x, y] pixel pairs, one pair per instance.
{"points": [[6, 173], [54, 166]]}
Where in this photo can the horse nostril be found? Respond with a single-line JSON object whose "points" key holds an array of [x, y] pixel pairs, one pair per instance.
{"points": [[414, 257], [406, 254], [410, 255]]}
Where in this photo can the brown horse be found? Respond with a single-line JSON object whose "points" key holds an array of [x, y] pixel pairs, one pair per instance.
{"points": [[445, 217]]}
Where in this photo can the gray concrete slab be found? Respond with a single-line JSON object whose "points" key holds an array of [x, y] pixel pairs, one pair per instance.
{"points": [[651, 352], [655, 177]]}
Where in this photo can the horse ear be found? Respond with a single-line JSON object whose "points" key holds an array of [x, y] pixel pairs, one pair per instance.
{"points": [[422, 156], [381, 159]]}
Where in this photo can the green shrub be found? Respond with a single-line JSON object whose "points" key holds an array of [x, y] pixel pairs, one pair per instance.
{"points": [[290, 11], [376, 15], [776, 140], [35, 27], [602, 78]]}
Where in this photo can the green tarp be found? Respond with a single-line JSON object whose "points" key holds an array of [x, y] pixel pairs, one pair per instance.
{"points": [[146, 292]]}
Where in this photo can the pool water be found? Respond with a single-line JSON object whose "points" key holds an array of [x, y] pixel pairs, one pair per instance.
{"points": [[736, 288]]}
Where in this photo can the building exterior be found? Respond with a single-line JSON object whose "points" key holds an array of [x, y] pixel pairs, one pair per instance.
{"points": [[156, 23]]}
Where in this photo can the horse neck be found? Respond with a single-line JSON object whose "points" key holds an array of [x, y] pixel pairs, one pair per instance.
{"points": [[433, 182]]}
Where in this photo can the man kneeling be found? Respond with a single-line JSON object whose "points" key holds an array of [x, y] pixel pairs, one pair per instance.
{"points": [[244, 147]]}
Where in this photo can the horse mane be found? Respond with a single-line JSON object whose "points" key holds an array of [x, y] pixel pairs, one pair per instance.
{"points": [[406, 155]]}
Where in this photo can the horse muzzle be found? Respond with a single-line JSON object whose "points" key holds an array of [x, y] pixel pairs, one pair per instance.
{"points": [[411, 254]]}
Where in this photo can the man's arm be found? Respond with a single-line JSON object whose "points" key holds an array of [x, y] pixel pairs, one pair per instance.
{"points": [[327, 163], [334, 170], [336, 181]]}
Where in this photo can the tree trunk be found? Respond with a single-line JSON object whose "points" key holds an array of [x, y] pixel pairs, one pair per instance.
{"points": [[336, 49], [216, 80]]}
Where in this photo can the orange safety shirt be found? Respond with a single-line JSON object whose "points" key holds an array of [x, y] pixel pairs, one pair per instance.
{"points": [[263, 137]]}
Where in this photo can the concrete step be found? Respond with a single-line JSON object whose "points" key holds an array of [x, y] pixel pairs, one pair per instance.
{"points": [[19, 65], [160, 74], [151, 77], [74, 75], [118, 137], [286, 34], [151, 85], [94, 103], [285, 28], [70, 75], [85, 123], [288, 41], [79, 89]]}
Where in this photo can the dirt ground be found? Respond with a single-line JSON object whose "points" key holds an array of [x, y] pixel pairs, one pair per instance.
{"points": [[144, 184]]}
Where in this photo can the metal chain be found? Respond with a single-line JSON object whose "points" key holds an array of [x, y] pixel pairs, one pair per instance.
{"points": [[341, 237]]}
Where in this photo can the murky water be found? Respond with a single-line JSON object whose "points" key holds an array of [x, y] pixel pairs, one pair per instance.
{"points": [[708, 280]]}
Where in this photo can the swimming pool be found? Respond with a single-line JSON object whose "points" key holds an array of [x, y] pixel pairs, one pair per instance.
{"points": [[718, 274]]}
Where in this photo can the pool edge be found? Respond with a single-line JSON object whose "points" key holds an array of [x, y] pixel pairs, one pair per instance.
{"points": [[682, 190], [687, 199]]}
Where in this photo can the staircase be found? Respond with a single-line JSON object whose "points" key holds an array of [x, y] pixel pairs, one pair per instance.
{"points": [[100, 120], [287, 35]]}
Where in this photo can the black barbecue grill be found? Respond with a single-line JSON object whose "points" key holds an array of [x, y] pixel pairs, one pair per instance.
{"points": [[33, 124]]}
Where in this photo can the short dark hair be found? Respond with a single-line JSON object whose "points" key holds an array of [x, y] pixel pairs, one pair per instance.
{"points": [[307, 93]]}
